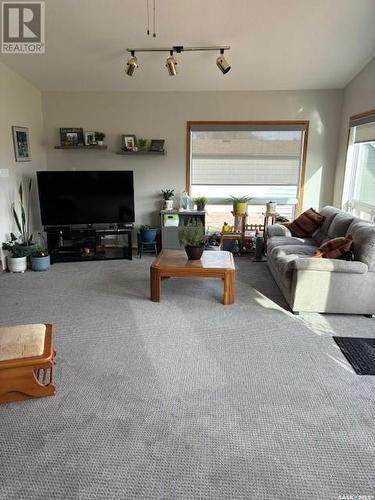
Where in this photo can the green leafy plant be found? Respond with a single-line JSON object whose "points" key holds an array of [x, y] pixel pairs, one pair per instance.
{"points": [[144, 227], [167, 194], [192, 234], [99, 136], [142, 143], [239, 199], [22, 218], [39, 251], [17, 249], [201, 202]]}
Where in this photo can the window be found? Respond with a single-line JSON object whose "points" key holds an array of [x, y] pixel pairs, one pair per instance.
{"points": [[359, 185], [264, 161]]}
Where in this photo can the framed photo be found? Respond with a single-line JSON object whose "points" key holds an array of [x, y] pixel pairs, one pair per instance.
{"points": [[90, 138], [157, 145], [129, 142], [71, 136], [21, 142]]}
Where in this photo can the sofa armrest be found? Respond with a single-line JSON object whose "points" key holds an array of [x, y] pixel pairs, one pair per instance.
{"points": [[278, 230], [333, 265]]}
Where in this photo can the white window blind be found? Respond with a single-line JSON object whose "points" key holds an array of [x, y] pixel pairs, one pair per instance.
{"points": [[260, 162]]}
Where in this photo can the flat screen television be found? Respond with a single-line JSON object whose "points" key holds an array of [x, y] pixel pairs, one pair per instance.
{"points": [[86, 197]]}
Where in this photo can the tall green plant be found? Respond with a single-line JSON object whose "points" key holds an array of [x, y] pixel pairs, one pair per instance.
{"points": [[22, 219]]}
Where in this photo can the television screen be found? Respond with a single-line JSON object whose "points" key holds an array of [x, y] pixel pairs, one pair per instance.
{"points": [[86, 197]]}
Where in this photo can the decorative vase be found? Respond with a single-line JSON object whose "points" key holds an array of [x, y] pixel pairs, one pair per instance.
{"points": [[168, 204], [17, 264], [148, 235], [40, 263], [239, 208], [193, 252]]}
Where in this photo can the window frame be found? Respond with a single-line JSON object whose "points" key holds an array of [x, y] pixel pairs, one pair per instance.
{"points": [[304, 124], [349, 153]]}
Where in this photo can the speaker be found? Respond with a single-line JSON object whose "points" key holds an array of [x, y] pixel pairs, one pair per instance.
{"points": [[259, 249]]}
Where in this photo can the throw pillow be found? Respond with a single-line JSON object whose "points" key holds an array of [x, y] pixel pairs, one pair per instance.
{"points": [[306, 224], [333, 249]]}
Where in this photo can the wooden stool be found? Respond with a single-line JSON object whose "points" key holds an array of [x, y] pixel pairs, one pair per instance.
{"points": [[27, 358]]}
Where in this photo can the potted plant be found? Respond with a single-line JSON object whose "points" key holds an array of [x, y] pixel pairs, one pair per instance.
{"points": [[20, 247], [147, 233], [99, 137], [40, 259], [168, 198], [191, 236], [142, 143], [17, 260], [201, 202], [240, 204]]}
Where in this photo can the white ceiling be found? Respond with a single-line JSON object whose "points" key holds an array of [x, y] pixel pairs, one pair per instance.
{"points": [[276, 44]]}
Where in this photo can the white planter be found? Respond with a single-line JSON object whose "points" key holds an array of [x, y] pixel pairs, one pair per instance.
{"points": [[17, 264], [168, 204], [271, 207], [99, 143]]}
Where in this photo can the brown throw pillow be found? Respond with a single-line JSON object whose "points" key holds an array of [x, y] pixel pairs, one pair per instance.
{"points": [[306, 224], [333, 249]]}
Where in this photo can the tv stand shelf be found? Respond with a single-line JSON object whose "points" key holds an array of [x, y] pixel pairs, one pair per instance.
{"points": [[67, 244]]}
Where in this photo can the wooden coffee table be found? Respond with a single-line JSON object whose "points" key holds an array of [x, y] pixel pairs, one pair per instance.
{"points": [[213, 264]]}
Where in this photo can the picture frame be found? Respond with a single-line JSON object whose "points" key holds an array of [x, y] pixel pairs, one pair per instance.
{"points": [[157, 145], [129, 142], [71, 136], [90, 138], [21, 143]]}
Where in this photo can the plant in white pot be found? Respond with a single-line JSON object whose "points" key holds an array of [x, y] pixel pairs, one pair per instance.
{"points": [[17, 258], [99, 137], [168, 195], [22, 246]]}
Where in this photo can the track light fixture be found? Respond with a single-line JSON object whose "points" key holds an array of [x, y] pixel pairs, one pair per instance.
{"points": [[131, 65], [171, 62], [222, 63]]}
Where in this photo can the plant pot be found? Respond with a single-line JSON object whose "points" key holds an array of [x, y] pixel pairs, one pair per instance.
{"points": [[239, 208], [201, 207], [99, 143], [168, 204], [41, 263], [194, 253], [148, 235], [17, 264]]}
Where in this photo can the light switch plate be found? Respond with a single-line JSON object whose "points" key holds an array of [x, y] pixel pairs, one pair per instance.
{"points": [[4, 172]]}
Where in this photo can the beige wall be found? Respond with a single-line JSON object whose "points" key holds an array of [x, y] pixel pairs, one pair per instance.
{"points": [[359, 96], [164, 115], [20, 104]]}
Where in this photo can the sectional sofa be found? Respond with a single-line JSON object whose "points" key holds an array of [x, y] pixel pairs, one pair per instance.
{"points": [[325, 285]]}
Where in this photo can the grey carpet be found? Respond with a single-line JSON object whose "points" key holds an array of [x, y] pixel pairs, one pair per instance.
{"points": [[185, 399]]}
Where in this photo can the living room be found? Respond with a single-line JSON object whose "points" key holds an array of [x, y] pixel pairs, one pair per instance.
{"points": [[249, 373]]}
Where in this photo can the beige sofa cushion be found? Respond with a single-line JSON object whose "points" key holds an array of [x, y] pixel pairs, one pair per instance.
{"points": [[22, 341]]}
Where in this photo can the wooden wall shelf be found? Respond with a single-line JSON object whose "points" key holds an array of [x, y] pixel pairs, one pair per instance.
{"points": [[82, 147], [141, 153]]}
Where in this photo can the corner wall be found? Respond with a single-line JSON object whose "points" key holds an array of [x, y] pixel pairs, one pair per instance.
{"points": [[359, 96], [164, 115], [21, 105]]}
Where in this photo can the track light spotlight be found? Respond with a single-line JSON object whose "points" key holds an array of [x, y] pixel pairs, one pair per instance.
{"points": [[131, 65], [172, 64], [222, 63]]}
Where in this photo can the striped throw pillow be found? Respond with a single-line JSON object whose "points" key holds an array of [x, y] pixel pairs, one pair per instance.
{"points": [[306, 224], [334, 249]]}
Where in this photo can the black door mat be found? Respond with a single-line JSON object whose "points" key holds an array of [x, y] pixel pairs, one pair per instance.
{"points": [[360, 352]]}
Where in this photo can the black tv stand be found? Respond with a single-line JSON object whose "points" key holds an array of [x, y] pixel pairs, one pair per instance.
{"points": [[69, 243]]}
